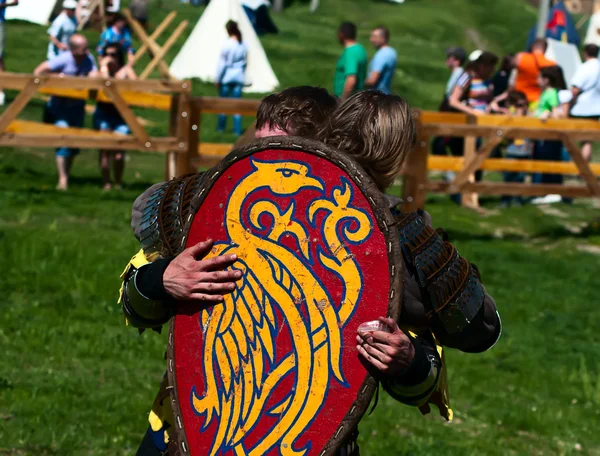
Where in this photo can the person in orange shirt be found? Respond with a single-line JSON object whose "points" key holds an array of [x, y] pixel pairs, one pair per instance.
{"points": [[528, 66]]}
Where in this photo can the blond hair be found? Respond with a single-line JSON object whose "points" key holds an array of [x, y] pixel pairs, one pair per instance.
{"points": [[375, 129]]}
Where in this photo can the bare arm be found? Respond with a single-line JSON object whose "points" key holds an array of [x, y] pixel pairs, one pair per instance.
{"points": [[373, 79], [43, 68], [79, 11], [455, 102], [576, 91], [349, 86], [127, 72], [9, 3], [57, 43]]}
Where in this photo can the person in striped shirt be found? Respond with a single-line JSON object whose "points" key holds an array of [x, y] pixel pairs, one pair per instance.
{"points": [[473, 91]]}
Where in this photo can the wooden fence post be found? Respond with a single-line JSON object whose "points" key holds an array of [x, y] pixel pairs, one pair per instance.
{"points": [[415, 171], [170, 161], [469, 199], [194, 133]]}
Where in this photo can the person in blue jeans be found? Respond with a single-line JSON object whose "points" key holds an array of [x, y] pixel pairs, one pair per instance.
{"points": [[68, 112], [383, 64], [518, 148], [231, 73], [107, 116]]}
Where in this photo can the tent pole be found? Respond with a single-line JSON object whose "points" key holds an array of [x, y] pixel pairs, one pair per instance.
{"points": [[543, 11]]}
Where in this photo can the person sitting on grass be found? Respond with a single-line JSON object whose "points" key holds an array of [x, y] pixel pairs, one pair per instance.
{"points": [[107, 116], [516, 149], [68, 112]]}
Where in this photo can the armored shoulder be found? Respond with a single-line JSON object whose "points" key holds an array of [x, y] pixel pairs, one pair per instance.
{"points": [[159, 215], [450, 287]]}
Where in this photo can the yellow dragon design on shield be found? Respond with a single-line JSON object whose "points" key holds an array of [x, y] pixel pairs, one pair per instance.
{"points": [[239, 334]]}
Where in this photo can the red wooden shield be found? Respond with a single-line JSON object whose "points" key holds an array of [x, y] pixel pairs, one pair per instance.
{"points": [[274, 369]]}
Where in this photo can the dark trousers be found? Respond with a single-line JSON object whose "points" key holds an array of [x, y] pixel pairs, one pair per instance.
{"points": [[148, 446], [443, 145], [514, 177], [548, 151]]}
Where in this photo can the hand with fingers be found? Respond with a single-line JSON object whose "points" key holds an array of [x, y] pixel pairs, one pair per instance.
{"points": [[190, 277], [391, 352]]}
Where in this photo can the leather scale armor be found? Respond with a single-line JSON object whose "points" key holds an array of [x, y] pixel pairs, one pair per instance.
{"points": [[449, 284], [165, 214]]}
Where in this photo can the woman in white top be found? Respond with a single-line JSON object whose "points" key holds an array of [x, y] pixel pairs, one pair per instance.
{"points": [[231, 73]]}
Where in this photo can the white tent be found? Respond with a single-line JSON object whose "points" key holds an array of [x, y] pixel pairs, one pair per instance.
{"points": [[566, 55], [199, 56], [36, 11], [593, 33]]}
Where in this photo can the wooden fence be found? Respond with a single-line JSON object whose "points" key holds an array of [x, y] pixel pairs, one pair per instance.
{"points": [[492, 131], [186, 152], [172, 96]]}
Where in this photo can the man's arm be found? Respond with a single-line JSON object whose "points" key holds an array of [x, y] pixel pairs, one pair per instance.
{"points": [[450, 299], [42, 68], [373, 79], [575, 91], [9, 3], [408, 366], [349, 86], [150, 289], [57, 43], [54, 31], [376, 68]]}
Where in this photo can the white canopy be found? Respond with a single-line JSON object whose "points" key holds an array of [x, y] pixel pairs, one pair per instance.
{"points": [[199, 56], [566, 55], [36, 11], [593, 32], [255, 4]]}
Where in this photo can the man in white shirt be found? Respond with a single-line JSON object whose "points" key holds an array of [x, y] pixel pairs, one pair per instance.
{"points": [[63, 27], [586, 91]]}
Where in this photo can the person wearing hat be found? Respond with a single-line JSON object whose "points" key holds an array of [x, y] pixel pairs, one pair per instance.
{"points": [[63, 28]]}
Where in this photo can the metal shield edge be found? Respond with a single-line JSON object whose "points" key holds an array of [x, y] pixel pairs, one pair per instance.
{"points": [[386, 223]]}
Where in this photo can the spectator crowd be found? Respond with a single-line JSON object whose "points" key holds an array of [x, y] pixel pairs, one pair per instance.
{"points": [[69, 55], [526, 84]]}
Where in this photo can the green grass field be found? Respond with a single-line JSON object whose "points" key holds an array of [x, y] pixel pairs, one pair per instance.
{"points": [[75, 380]]}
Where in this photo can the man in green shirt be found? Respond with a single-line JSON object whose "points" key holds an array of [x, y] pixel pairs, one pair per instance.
{"points": [[351, 68]]}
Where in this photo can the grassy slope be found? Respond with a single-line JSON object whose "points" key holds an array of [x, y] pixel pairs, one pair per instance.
{"points": [[73, 380]]}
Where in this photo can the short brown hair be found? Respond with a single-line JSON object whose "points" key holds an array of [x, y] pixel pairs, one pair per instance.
{"points": [[375, 129], [517, 99], [591, 50], [385, 32], [299, 111], [539, 43]]}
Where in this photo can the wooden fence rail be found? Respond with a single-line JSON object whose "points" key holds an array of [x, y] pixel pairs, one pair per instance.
{"points": [[492, 131], [185, 151], [172, 96]]}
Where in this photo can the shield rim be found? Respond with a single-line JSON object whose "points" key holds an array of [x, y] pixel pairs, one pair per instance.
{"points": [[386, 223]]}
